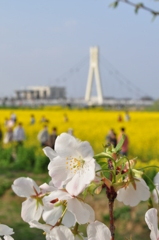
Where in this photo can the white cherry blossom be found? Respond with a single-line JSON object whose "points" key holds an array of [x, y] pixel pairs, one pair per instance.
{"points": [[131, 196], [75, 210], [72, 164], [60, 233], [54, 233], [151, 219], [32, 207], [6, 231]]}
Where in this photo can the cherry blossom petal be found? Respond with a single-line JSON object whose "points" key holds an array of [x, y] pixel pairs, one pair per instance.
{"points": [[152, 222], [98, 230], [130, 196], [86, 150], [50, 153], [98, 174], [25, 187], [35, 224], [52, 216], [8, 238], [91, 212], [81, 179], [5, 230], [79, 237], [57, 194], [68, 219], [31, 210], [155, 195], [156, 179], [47, 188], [65, 145], [58, 172], [61, 233], [83, 212], [52, 213]]}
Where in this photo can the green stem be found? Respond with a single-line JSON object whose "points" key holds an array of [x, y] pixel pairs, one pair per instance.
{"points": [[153, 185], [60, 220], [105, 170], [75, 230], [147, 167]]}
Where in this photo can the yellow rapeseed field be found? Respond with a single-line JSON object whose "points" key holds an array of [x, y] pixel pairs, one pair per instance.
{"points": [[93, 125]]}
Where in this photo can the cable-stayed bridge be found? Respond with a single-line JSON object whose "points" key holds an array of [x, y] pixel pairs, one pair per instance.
{"points": [[94, 80]]}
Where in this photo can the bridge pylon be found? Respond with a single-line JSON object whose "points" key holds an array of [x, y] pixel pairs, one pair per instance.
{"points": [[94, 72]]}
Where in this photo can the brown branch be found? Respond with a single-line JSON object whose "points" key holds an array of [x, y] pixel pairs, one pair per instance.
{"points": [[137, 6], [111, 195]]}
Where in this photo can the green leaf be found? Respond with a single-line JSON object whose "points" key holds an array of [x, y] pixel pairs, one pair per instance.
{"points": [[84, 193], [136, 9], [92, 188], [137, 173], [98, 189], [103, 155], [154, 16], [121, 161], [139, 5], [119, 145], [114, 4], [107, 182], [118, 178], [118, 185], [102, 160]]}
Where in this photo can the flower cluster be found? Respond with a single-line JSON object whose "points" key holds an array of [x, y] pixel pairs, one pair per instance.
{"points": [[58, 207], [72, 168]]}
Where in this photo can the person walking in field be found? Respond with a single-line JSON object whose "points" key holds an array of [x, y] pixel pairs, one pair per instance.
{"points": [[52, 138], [119, 119], [111, 138], [19, 134], [8, 136], [43, 136], [13, 117], [125, 146], [127, 116], [32, 119], [65, 117]]}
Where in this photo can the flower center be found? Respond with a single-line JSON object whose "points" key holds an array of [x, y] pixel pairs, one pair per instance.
{"points": [[74, 164]]}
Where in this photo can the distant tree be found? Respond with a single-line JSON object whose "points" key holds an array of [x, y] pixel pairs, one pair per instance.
{"points": [[136, 6]]}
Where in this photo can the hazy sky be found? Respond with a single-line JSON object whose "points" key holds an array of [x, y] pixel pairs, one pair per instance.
{"points": [[47, 42]]}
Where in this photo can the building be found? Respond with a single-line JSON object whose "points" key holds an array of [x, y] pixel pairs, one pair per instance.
{"points": [[41, 92]]}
